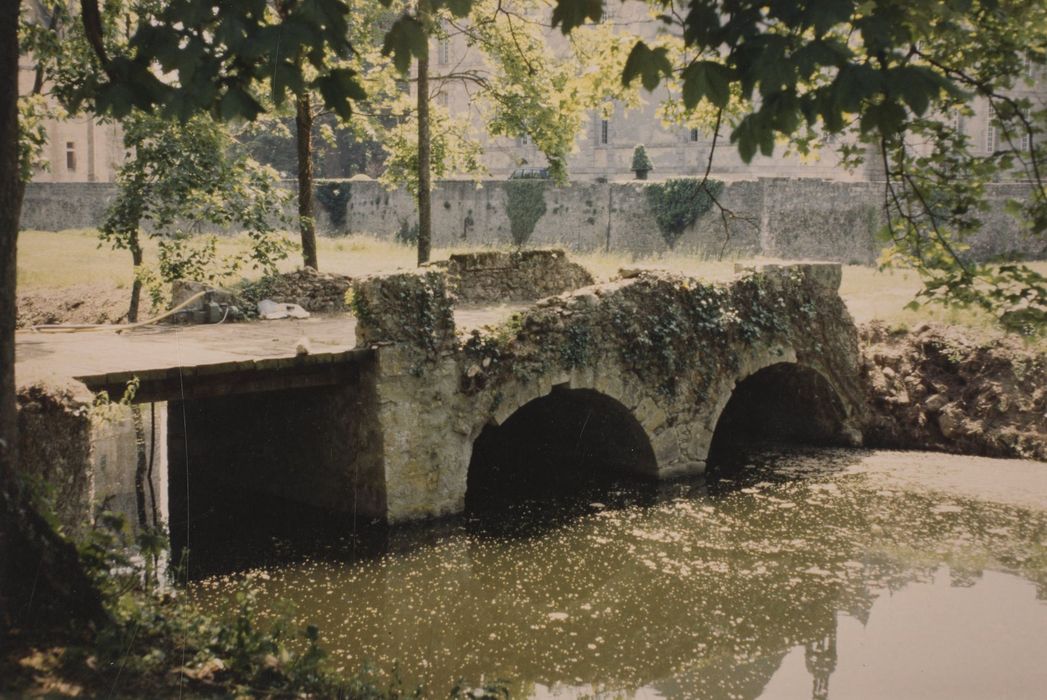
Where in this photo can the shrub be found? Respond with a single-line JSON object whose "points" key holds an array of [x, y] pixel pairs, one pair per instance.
{"points": [[334, 196], [640, 160], [676, 204], [525, 205]]}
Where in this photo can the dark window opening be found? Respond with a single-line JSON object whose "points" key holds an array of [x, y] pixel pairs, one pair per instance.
{"points": [[70, 156], [604, 130]]}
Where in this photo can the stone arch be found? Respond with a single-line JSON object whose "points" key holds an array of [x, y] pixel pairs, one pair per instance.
{"points": [[788, 400], [558, 439]]}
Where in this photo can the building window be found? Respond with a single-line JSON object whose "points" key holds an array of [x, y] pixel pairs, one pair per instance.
{"points": [[957, 121], [693, 136], [70, 156], [441, 99], [604, 129], [443, 52], [524, 140], [1024, 137], [991, 136]]}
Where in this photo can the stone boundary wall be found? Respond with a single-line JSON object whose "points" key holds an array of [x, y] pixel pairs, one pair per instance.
{"points": [[479, 278], [774, 217]]}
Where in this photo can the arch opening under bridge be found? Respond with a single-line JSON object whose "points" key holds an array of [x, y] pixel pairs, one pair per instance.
{"points": [[567, 440], [783, 403]]}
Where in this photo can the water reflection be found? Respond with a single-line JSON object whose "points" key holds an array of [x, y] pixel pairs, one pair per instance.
{"points": [[707, 589], [129, 462]]}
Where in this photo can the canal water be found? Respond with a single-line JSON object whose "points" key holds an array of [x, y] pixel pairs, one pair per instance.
{"points": [[791, 574]]}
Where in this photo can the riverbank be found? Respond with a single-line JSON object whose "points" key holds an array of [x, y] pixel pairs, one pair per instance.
{"points": [[956, 390]]}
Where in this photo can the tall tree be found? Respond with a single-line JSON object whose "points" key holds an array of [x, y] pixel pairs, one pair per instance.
{"points": [[303, 122], [11, 191], [59, 591], [518, 87], [425, 199]]}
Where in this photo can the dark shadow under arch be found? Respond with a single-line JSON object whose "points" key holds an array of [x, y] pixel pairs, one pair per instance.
{"points": [[554, 444], [782, 403]]}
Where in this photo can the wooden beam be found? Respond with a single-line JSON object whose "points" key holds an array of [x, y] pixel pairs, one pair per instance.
{"points": [[229, 378]]}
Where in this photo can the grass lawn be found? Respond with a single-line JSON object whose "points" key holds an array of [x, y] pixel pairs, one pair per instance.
{"points": [[49, 260]]}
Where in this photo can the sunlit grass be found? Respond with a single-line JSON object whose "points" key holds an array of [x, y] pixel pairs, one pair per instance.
{"points": [[62, 259]]}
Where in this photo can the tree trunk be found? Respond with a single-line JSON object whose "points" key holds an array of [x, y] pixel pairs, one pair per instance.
{"points": [[11, 191], [41, 579], [425, 202], [136, 284], [303, 121]]}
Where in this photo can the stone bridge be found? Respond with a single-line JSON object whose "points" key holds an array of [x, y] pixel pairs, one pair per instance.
{"points": [[644, 374]]}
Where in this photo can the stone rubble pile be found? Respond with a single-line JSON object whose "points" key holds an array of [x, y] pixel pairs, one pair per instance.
{"points": [[210, 305], [492, 277], [316, 292], [935, 387]]}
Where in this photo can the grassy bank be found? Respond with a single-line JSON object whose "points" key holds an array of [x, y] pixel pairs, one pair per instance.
{"points": [[50, 260]]}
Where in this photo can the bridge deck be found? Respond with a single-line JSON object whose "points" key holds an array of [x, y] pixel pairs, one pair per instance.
{"points": [[194, 359]]}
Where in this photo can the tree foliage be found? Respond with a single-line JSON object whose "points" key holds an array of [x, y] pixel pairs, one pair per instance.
{"points": [[180, 176], [884, 80], [641, 161], [677, 203], [525, 205]]}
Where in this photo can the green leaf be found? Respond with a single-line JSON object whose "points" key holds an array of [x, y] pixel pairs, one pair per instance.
{"points": [[405, 38], [746, 137], [285, 76], [887, 118], [706, 79], [853, 85], [569, 14], [650, 64], [236, 103], [338, 89]]}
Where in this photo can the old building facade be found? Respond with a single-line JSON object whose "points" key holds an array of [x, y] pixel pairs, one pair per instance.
{"points": [[604, 147], [79, 149]]}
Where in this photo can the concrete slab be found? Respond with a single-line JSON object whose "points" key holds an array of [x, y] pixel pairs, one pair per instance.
{"points": [[41, 356]]}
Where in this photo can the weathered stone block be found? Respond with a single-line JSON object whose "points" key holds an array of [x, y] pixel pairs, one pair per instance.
{"points": [[412, 308], [54, 424], [527, 275]]}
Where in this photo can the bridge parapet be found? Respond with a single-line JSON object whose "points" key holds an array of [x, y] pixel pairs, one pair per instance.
{"points": [[414, 309], [669, 349]]}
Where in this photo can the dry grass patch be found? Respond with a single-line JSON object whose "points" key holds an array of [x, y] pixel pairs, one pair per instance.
{"points": [[48, 260]]}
